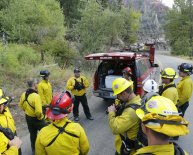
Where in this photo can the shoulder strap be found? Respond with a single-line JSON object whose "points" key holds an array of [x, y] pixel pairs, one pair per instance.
{"points": [[61, 130], [162, 90], [133, 106], [27, 93], [178, 150]]}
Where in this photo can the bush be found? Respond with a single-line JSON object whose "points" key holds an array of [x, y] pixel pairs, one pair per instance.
{"points": [[60, 50]]}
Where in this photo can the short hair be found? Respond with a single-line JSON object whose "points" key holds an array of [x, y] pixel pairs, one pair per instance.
{"points": [[31, 82]]}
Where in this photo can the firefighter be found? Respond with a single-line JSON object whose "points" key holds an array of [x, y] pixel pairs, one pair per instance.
{"points": [[169, 90], [78, 85], [61, 136], [127, 74], [123, 120], [9, 147], [31, 104], [45, 89], [6, 119], [160, 121], [185, 86]]}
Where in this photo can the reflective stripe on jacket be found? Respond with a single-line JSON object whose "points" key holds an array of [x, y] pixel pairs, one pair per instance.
{"points": [[127, 122], [184, 88], [35, 101], [3, 146], [7, 121], [64, 144], [157, 150], [171, 93], [71, 83], [45, 92]]}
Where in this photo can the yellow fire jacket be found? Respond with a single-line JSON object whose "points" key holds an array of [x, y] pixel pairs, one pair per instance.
{"points": [[71, 83], [158, 150], [184, 88], [45, 92], [64, 144], [3, 146], [34, 101], [126, 123], [171, 93], [7, 121]]}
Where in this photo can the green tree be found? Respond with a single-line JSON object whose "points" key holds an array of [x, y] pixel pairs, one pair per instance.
{"points": [[32, 20], [100, 27], [179, 27], [71, 11]]}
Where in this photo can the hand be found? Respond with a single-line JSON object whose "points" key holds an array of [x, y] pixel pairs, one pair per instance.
{"points": [[15, 142], [111, 108]]}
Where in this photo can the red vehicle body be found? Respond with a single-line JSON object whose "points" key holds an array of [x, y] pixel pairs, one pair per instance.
{"points": [[141, 64]]}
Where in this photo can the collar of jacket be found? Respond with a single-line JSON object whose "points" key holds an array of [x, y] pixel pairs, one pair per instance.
{"points": [[186, 77], [136, 100], [155, 149], [61, 122], [171, 83]]}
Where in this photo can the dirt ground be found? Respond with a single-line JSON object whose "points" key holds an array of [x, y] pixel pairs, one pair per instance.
{"points": [[20, 121]]}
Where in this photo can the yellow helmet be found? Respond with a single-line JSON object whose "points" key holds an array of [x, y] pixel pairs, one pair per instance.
{"points": [[169, 73], [161, 115], [3, 99], [119, 85]]}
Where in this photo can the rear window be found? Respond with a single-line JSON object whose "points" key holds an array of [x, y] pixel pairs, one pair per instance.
{"points": [[142, 66], [114, 67]]}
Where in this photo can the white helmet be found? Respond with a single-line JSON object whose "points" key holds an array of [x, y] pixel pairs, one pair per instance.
{"points": [[150, 86]]}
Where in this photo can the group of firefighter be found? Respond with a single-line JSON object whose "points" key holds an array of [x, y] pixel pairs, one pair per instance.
{"points": [[142, 125]]}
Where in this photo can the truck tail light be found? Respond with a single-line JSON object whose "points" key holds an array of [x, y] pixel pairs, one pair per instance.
{"points": [[95, 81]]}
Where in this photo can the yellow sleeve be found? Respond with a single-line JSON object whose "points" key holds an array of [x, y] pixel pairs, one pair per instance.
{"points": [[13, 150], [70, 84], [122, 123], [21, 102], [38, 107], [186, 92], [84, 144], [39, 148], [41, 93], [85, 82]]}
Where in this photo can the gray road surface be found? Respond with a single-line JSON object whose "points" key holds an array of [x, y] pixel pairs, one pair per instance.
{"points": [[99, 135]]}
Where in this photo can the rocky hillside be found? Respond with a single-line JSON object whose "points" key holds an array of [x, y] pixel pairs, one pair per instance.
{"points": [[153, 13]]}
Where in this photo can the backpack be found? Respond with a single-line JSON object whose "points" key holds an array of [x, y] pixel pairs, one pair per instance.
{"points": [[27, 93], [60, 131]]}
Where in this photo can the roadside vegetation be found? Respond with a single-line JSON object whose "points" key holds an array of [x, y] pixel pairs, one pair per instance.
{"points": [[57, 34]]}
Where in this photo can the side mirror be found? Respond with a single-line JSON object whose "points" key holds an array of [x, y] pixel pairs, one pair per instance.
{"points": [[155, 65]]}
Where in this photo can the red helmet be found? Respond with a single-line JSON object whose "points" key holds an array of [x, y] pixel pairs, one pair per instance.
{"points": [[127, 70], [61, 105]]}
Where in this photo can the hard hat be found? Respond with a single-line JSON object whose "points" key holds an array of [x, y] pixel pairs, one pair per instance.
{"points": [[127, 70], [161, 115], [186, 68], [4, 99], [150, 86], [44, 73], [76, 70], [60, 106], [169, 73], [119, 85]]}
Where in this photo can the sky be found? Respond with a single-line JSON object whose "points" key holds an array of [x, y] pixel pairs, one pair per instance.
{"points": [[168, 2]]}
